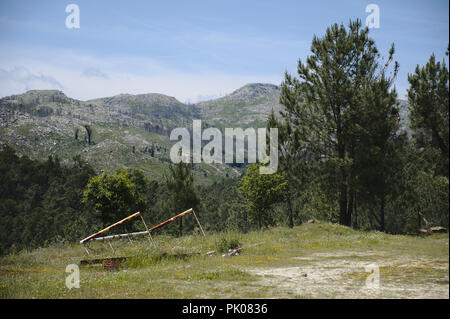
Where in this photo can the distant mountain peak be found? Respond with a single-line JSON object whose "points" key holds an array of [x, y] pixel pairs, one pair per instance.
{"points": [[259, 86], [255, 90], [42, 93], [50, 91], [36, 97], [144, 98]]}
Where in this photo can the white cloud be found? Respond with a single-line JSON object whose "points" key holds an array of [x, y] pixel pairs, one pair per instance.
{"points": [[86, 77], [19, 79], [94, 73]]}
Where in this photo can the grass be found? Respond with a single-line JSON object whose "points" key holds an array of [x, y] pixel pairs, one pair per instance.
{"points": [[330, 254]]}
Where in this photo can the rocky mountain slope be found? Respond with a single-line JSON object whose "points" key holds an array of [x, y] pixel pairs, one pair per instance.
{"points": [[248, 106], [129, 131]]}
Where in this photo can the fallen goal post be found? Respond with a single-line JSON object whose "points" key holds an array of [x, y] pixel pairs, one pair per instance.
{"points": [[94, 237]]}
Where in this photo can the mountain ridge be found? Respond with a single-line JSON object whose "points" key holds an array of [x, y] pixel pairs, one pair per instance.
{"points": [[129, 131]]}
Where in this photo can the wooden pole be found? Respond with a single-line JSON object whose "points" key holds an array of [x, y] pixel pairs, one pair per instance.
{"points": [[109, 242], [171, 219], [109, 227], [118, 236], [145, 225], [87, 250], [193, 212], [147, 231]]}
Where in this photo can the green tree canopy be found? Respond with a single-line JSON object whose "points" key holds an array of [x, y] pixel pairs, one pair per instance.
{"points": [[180, 183], [261, 192], [116, 195], [341, 98], [428, 99]]}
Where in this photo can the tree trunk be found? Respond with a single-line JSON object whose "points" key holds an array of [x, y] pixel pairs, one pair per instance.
{"points": [[350, 207], [419, 221], [245, 221], [355, 211], [181, 227], [371, 214], [343, 219], [343, 204], [382, 213], [291, 218], [259, 220]]}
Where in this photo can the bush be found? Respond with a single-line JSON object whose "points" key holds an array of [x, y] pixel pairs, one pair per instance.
{"points": [[228, 241]]}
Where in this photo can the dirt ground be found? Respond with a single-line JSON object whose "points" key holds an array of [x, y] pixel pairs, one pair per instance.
{"points": [[344, 275]]}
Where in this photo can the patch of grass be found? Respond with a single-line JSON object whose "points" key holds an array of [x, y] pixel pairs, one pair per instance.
{"points": [[229, 273], [4, 291], [148, 257]]}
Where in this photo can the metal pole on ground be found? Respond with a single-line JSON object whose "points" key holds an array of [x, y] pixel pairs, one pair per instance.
{"points": [[199, 223], [145, 225]]}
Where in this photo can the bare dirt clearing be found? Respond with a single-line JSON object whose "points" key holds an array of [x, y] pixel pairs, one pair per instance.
{"points": [[343, 274]]}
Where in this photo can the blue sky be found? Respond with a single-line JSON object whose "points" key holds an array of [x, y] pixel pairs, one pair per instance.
{"points": [[193, 50]]}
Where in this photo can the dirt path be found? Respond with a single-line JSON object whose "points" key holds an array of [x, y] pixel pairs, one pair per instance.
{"points": [[344, 275]]}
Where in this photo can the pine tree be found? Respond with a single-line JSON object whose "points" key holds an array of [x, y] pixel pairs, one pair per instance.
{"points": [[428, 99], [325, 104], [180, 183], [89, 133], [292, 161], [375, 152]]}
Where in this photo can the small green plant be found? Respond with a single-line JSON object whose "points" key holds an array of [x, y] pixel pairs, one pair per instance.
{"points": [[228, 241]]}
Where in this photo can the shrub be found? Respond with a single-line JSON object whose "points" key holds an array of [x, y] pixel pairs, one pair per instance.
{"points": [[228, 241]]}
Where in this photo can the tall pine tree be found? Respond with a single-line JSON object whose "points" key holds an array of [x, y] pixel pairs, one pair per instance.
{"points": [[326, 105], [428, 99], [180, 183]]}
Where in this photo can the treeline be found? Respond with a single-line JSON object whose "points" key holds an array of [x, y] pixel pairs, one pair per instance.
{"points": [[40, 202], [43, 203]]}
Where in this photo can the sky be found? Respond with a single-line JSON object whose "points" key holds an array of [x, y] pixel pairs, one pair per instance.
{"points": [[194, 50]]}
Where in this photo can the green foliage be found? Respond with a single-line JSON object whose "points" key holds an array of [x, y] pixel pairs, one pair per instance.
{"points": [[420, 198], [419, 192], [222, 201], [428, 98], [432, 198], [116, 195], [228, 240], [261, 191], [339, 126], [183, 195], [40, 203]]}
